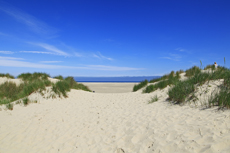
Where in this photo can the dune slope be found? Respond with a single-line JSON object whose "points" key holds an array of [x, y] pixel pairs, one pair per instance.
{"points": [[112, 123]]}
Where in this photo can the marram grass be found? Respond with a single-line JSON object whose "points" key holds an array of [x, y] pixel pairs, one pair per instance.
{"points": [[140, 85], [35, 82]]}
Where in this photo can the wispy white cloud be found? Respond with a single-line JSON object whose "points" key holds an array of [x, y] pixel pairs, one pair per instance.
{"points": [[180, 49], [10, 58], [51, 61], [36, 52], [112, 68], [174, 57], [15, 62], [33, 23], [51, 48], [78, 54], [183, 50], [100, 56], [6, 52]]}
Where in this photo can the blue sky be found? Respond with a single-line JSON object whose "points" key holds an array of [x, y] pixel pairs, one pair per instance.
{"points": [[112, 37]]}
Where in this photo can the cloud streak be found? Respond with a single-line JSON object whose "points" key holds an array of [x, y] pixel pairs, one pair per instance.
{"points": [[174, 57], [10, 58], [51, 61], [15, 62], [36, 52], [6, 52], [33, 23], [52, 49], [100, 56]]}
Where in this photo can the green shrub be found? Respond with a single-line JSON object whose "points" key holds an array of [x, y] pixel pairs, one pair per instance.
{"points": [[59, 77], [181, 90], [61, 87], [26, 101], [227, 79], [140, 85], [6, 75], [221, 99], [178, 75], [162, 84], [154, 80], [153, 99], [32, 77], [10, 106], [212, 67], [81, 87], [10, 91], [180, 71], [149, 89], [192, 71]]}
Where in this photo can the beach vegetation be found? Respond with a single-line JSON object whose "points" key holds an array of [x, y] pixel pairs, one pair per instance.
{"points": [[153, 99], [162, 84], [35, 82], [7, 75], [9, 106], [183, 90], [29, 77], [192, 71], [212, 67], [61, 87], [140, 85], [59, 77], [25, 101]]}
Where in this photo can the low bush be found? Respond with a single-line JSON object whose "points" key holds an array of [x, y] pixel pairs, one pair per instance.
{"points": [[6, 75], [221, 99], [59, 77], [10, 106], [154, 80], [162, 84], [26, 101], [28, 77], [140, 85], [181, 90], [212, 67], [192, 71], [61, 87], [153, 99]]}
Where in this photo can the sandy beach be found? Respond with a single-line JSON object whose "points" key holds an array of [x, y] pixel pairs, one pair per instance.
{"points": [[113, 120], [110, 87]]}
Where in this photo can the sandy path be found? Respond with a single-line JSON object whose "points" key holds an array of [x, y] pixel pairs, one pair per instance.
{"points": [[110, 87], [111, 123]]}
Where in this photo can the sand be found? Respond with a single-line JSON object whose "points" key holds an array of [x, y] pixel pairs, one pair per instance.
{"points": [[110, 87], [97, 122]]}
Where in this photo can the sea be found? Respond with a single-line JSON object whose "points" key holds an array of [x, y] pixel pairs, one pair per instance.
{"points": [[124, 79]]}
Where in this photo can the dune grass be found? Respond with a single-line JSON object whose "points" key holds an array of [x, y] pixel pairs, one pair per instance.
{"points": [[29, 77], [153, 99], [184, 89], [35, 82], [59, 77], [11, 92], [140, 85], [164, 82], [192, 71], [7, 75], [212, 67], [222, 98]]}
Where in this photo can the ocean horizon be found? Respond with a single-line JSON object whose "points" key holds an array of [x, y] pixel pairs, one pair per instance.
{"points": [[115, 79]]}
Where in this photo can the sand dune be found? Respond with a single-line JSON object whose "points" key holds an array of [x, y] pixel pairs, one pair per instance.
{"points": [[88, 122]]}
